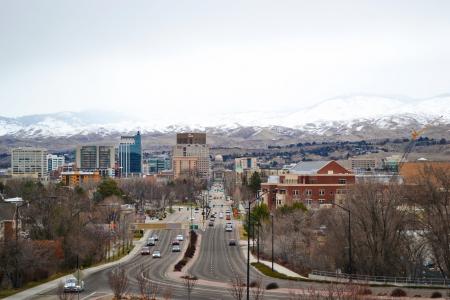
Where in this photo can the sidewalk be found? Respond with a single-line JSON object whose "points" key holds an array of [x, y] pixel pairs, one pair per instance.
{"points": [[278, 268], [45, 287]]}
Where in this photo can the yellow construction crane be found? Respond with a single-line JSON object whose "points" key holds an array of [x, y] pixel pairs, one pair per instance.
{"points": [[415, 134]]}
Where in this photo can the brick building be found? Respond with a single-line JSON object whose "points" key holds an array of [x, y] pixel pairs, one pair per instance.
{"points": [[314, 183]]}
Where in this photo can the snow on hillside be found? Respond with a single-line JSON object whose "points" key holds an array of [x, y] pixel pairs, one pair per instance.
{"points": [[339, 115]]}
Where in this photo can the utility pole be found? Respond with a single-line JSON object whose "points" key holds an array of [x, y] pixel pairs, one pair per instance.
{"points": [[272, 239], [350, 260]]}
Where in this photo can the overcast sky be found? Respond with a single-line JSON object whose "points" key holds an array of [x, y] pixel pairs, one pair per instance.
{"points": [[162, 57]]}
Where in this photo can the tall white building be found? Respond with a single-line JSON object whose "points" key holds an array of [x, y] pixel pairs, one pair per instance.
{"points": [[29, 162], [54, 162]]}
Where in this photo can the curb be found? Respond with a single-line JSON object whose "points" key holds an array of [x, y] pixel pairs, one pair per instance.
{"points": [[45, 287]]}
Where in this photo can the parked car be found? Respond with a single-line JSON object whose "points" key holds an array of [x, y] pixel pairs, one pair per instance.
{"points": [[145, 251], [228, 217], [180, 237], [211, 224], [232, 242], [72, 285], [156, 254]]}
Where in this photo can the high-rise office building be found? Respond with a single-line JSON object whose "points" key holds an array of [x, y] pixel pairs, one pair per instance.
{"points": [[130, 155], [96, 158], [29, 162], [190, 156], [54, 162]]}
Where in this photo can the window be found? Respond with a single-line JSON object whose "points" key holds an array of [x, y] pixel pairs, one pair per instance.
{"points": [[342, 181], [296, 192], [321, 201], [309, 201], [308, 192], [321, 192]]}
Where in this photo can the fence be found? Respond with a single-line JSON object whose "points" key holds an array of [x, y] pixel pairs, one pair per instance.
{"points": [[400, 281]]}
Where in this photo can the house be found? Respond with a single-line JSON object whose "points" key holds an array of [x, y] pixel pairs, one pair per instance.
{"points": [[313, 183]]}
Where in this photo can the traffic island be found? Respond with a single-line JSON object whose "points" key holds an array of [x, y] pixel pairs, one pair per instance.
{"points": [[190, 251]]}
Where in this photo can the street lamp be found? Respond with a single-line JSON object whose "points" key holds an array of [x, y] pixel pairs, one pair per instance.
{"points": [[258, 197], [350, 262]]}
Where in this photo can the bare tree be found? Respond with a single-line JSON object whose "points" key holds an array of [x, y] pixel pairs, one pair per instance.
{"points": [[237, 287], [379, 230], [258, 289], [189, 283], [147, 288], [430, 197], [118, 281]]}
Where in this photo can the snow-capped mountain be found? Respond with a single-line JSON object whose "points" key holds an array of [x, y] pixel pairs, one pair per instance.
{"points": [[358, 116]]}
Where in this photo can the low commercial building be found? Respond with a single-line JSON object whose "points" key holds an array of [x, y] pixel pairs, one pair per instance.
{"points": [[363, 164], [75, 178], [313, 183]]}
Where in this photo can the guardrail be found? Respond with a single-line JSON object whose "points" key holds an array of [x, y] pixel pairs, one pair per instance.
{"points": [[406, 281]]}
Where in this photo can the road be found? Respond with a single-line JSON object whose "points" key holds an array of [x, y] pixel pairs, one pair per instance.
{"points": [[217, 260]]}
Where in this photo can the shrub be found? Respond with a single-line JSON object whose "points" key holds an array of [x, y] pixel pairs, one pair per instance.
{"points": [[398, 293], [436, 295], [272, 286]]}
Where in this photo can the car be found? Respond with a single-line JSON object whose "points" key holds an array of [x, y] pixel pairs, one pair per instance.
{"points": [[155, 237], [180, 237], [232, 242], [176, 242], [73, 285], [211, 224], [229, 224], [156, 254], [145, 251], [176, 248], [221, 215], [151, 242], [228, 217], [228, 229], [196, 209]]}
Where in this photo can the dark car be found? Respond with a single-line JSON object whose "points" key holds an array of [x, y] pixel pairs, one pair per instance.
{"points": [[232, 243], [211, 224], [176, 242]]}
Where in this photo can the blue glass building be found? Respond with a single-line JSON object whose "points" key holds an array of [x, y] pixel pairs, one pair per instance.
{"points": [[130, 155]]}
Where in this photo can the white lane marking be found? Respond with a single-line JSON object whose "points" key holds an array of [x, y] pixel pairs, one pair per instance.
{"points": [[92, 294]]}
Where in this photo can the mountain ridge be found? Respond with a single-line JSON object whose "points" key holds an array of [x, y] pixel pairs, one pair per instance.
{"points": [[347, 117]]}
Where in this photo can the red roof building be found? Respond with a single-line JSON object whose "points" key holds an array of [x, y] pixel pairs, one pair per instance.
{"points": [[314, 183]]}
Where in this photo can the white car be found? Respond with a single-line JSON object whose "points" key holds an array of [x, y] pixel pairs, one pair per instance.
{"points": [[72, 285], [156, 254], [221, 215], [229, 229], [180, 237]]}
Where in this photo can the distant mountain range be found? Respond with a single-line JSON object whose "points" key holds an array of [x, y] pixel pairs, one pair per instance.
{"points": [[353, 117]]}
